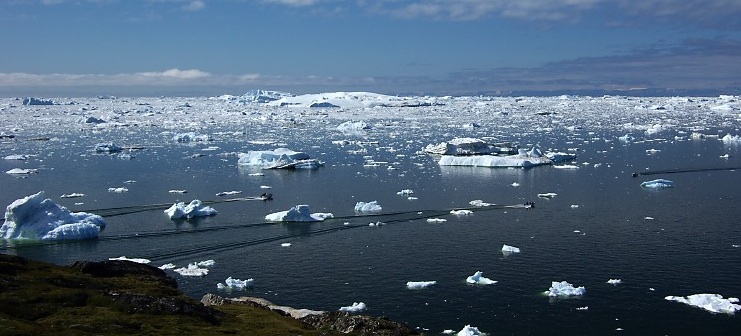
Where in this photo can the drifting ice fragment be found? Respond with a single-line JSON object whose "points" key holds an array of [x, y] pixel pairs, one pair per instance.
{"points": [[547, 195], [37, 217], [22, 171], [510, 249], [461, 213], [436, 220], [368, 207], [299, 213], [72, 195], [478, 279], [564, 288], [136, 260], [192, 270], [405, 192], [657, 184], [279, 158], [420, 284], [194, 209], [711, 302], [356, 307], [118, 190], [470, 331], [614, 281], [107, 147], [231, 283]]}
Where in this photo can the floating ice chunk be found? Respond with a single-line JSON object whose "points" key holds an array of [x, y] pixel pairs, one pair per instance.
{"points": [[118, 190], [72, 195], [136, 260], [22, 171], [19, 157], [279, 158], [194, 209], [107, 147], [468, 330], [227, 193], [206, 263], [480, 203], [574, 206], [493, 161], [652, 151], [510, 249], [191, 136], [420, 284], [405, 192], [461, 213], [731, 139], [368, 207], [614, 281], [167, 266], [583, 308], [461, 146], [658, 184], [191, 270], [626, 138], [478, 279], [556, 157], [231, 283], [353, 126], [515, 184], [299, 213], [566, 167], [174, 191], [436, 220], [547, 195], [354, 308], [711, 302], [285, 244], [564, 288], [37, 217]]}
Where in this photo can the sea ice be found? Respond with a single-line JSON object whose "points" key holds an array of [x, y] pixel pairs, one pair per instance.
{"points": [[37, 217], [563, 288], [405, 192], [19, 157], [368, 207], [711, 302], [657, 184], [510, 249], [493, 161], [192, 270], [22, 171], [461, 146], [299, 213], [731, 139], [118, 190], [614, 281], [353, 126], [461, 213], [354, 308], [420, 284], [194, 209], [107, 147], [231, 283], [468, 330], [436, 220], [478, 279], [191, 136], [547, 195], [72, 195]]}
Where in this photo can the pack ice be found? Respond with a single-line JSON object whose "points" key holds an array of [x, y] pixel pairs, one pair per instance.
{"points": [[36, 217]]}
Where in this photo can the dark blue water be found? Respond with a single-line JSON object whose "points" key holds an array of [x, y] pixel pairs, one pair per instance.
{"points": [[686, 248]]}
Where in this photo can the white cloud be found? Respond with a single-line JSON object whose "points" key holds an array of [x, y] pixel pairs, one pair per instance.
{"points": [[295, 3], [194, 6], [177, 74]]}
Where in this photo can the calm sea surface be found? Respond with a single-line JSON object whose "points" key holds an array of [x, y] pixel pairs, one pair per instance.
{"points": [[601, 225]]}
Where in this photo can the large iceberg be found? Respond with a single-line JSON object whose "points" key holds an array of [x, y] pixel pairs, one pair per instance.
{"points": [[194, 209], [279, 158], [467, 146], [478, 279], [515, 161], [37, 217], [372, 206], [563, 288], [299, 213], [711, 302]]}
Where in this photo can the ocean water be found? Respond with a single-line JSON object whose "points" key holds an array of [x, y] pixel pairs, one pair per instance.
{"points": [[601, 225]]}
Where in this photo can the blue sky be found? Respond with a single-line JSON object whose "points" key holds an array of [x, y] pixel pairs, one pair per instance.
{"points": [[209, 47]]}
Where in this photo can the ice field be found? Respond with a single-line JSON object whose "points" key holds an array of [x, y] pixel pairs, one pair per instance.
{"points": [[628, 224]]}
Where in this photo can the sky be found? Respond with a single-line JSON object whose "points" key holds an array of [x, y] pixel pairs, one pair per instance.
{"points": [[436, 47]]}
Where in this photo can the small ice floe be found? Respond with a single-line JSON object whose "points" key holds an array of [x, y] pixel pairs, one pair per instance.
{"points": [[36, 217], [231, 283], [130, 181], [353, 126], [354, 308], [515, 184], [566, 166], [368, 207], [574, 206], [107, 147], [175, 191], [468, 330], [563, 288], [547, 195], [731, 139], [194, 209], [22, 171], [725, 156], [136, 260], [118, 190], [614, 282], [72, 195], [480, 203], [436, 220], [285, 244], [461, 213], [299, 213], [478, 279], [648, 218], [658, 184], [376, 224], [227, 193], [20, 157], [652, 151], [167, 266], [265, 187], [192, 270], [256, 174], [405, 192], [509, 249], [420, 284], [583, 308], [711, 302], [191, 136]]}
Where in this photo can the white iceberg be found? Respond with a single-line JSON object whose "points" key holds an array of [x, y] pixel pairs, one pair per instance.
{"points": [[352, 126], [420, 284], [231, 283], [614, 281], [711, 302], [470, 331], [657, 184], [731, 139], [462, 146], [563, 288], [478, 279], [194, 209], [299, 213], [279, 158], [37, 217], [191, 136], [20, 157], [461, 213], [368, 207], [192, 270], [22, 171], [136, 260], [510, 249], [354, 308], [493, 161], [72, 195], [107, 147]]}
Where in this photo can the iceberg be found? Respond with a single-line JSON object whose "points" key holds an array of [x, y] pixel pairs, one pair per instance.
{"points": [[279, 158], [231, 283], [711, 302], [107, 147], [657, 184], [468, 330], [354, 308], [420, 284], [192, 270], [194, 209], [462, 146], [136, 260], [191, 136], [461, 213], [299, 213], [22, 171], [20, 157], [37, 217], [563, 288], [614, 282], [353, 126], [478, 279], [510, 249], [368, 207], [731, 139]]}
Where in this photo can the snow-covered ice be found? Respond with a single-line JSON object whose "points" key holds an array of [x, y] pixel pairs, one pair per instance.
{"points": [[469, 330], [37, 217], [192, 270], [563, 288], [614, 281], [136, 260], [420, 284], [279, 158], [231, 283], [371, 206], [510, 249], [711, 302], [22, 171], [657, 184], [194, 209], [354, 308], [478, 279], [298, 213]]}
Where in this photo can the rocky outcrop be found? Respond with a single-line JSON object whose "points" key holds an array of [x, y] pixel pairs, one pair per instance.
{"points": [[120, 268]]}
